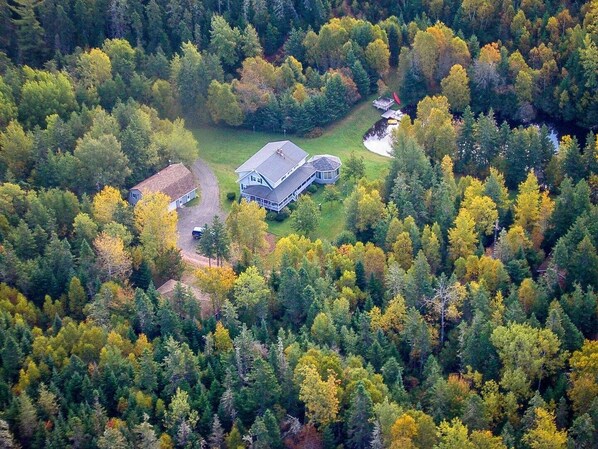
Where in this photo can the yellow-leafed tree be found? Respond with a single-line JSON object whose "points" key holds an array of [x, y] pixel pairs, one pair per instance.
{"points": [[320, 396], [533, 209], [113, 260], [106, 203], [247, 228], [462, 237], [217, 282], [544, 434], [156, 224]]}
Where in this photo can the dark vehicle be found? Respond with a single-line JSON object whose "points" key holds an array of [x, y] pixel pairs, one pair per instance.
{"points": [[197, 232]]}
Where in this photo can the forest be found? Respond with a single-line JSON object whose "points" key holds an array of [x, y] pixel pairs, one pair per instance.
{"points": [[457, 309]]}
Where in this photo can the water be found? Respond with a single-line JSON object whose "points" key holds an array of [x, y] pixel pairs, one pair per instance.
{"points": [[378, 139], [557, 130]]}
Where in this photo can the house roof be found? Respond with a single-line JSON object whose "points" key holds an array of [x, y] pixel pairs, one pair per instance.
{"points": [[288, 186], [175, 181], [325, 162], [274, 160]]}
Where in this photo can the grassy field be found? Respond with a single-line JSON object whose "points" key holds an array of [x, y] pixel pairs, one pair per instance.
{"points": [[225, 149], [331, 219]]}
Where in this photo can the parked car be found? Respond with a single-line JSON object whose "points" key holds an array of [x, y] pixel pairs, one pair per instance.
{"points": [[197, 232]]}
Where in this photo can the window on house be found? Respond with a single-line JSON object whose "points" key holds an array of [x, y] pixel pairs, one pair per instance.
{"points": [[253, 178]]}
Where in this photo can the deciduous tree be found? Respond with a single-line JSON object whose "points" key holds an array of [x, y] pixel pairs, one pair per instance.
{"points": [[16, 150], [319, 396], [527, 354], [216, 282], [113, 260], [544, 434], [306, 216], [247, 228], [462, 237], [102, 162], [223, 104], [455, 87], [156, 224]]}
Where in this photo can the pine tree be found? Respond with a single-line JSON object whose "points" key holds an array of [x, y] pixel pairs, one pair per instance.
{"points": [[466, 142], [76, 299], [361, 78], [11, 357], [582, 433], [145, 311], [336, 99], [206, 246], [216, 438], [27, 417], [146, 436], [30, 34], [221, 240], [7, 440], [359, 426]]}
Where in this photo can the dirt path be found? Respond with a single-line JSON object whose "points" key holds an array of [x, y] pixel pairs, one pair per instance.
{"points": [[204, 212]]}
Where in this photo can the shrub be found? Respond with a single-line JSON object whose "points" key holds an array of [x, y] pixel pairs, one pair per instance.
{"points": [[283, 214], [292, 206], [345, 238], [231, 196], [313, 188], [271, 216], [316, 132]]}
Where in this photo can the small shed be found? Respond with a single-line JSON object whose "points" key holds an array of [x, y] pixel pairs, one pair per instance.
{"points": [[176, 181], [328, 168]]}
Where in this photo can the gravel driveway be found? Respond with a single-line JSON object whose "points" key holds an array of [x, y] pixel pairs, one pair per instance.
{"points": [[209, 205]]}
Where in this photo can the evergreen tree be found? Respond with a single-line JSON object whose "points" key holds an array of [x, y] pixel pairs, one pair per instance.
{"points": [[466, 142], [30, 34], [220, 239], [361, 78], [11, 357], [146, 436], [336, 99], [216, 438], [359, 426], [76, 299]]}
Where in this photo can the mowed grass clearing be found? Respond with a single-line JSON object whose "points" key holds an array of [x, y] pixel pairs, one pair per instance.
{"points": [[224, 149]]}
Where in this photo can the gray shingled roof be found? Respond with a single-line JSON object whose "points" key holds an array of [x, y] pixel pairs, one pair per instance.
{"points": [[325, 162], [274, 160], [288, 186], [175, 181]]}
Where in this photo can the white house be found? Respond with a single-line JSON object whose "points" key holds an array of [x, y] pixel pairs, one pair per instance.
{"points": [[176, 181], [280, 171]]}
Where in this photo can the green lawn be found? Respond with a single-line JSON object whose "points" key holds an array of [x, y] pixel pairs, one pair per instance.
{"points": [[226, 148], [331, 219]]}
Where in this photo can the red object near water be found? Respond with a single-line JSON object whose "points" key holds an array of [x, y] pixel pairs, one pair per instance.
{"points": [[396, 98]]}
